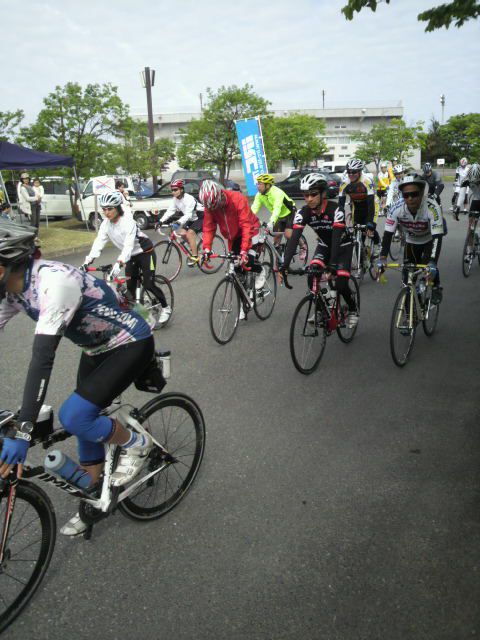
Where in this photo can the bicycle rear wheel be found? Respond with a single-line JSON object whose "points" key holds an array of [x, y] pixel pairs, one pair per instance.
{"points": [[264, 298], [344, 333], [431, 311], [151, 302], [27, 550], [224, 311], [308, 335], [402, 328], [176, 421], [169, 259], [218, 246], [468, 254]]}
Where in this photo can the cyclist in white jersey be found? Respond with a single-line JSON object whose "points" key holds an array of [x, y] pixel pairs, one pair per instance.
{"points": [[394, 192], [460, 193]]}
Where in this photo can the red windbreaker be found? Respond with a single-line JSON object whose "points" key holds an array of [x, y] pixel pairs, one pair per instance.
{"points": [[235, 220]]}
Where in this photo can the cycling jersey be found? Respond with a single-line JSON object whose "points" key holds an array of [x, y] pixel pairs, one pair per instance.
{"points": [[383, 180], [187, 206], [124, 234], [393, 193], [276, 201], [235, 220], [362, 197], [435, 184], [460, 175]]}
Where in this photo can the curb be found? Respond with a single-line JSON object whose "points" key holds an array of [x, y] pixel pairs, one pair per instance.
{"points": [[48, 255]]}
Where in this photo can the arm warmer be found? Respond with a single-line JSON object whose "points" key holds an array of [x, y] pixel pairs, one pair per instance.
{"points": [[386, 242]]}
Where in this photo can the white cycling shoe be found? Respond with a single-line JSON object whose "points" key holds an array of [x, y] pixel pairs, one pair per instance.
{"points": [[260, 279], [74, 527], [165, 314], [131, 462]]}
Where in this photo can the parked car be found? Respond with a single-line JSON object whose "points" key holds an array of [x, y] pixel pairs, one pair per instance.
{"points": [[164, 194], [182, 174], [291, 185]]}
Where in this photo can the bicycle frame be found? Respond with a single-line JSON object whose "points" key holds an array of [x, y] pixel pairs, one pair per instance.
{"points": [[414, 270], [178, 240]]}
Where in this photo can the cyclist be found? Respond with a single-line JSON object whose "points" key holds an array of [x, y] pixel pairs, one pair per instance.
{"points": [[434, 181], [392, 164], [473, 183], [121, 187], [460, 194], [334, 248], [383, 182], [136, 249], [421, 219], [394, 192], [117, 345], [191, 219], [359, 189]]}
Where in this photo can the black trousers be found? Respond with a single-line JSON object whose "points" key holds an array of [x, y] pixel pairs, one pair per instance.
{"points": [[144, 263]]}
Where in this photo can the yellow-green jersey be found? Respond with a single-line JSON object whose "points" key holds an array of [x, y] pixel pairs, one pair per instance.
{"points": [[276, 201]]}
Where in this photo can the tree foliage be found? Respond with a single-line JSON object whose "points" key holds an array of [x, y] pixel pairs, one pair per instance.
{"points": [[461, 136], [9, 122], [387, 140], [296, 137], [434, 145], [456, 11], [211, 141]]}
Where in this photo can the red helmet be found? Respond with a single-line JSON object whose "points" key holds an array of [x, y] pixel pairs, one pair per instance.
{"points": [[211, 194], [177, 184]]}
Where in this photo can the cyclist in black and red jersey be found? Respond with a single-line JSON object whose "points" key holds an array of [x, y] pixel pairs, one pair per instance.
{"points": [[334, 248]]}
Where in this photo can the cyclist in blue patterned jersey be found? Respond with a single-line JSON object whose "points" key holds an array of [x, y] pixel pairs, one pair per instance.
{"points": [[117, 347]]}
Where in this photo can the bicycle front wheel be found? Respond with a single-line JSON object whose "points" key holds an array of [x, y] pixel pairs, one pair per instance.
{"points": [[218, 247], [224, 311], [357, 262], [344, 332], [431, 312], [176, 421], [265, 253], [264, 298], [403, 327], [151, 302], [308, 335], [27, 549], [169, 259], [300, 258], [468, 255], [396, 246]]}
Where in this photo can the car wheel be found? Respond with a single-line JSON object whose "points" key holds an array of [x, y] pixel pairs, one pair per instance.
{"points": [[142, 220]]}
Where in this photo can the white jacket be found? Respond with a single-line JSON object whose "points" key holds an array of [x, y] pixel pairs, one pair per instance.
{"points": [[186, 205], [124, 234], [24, 200]]}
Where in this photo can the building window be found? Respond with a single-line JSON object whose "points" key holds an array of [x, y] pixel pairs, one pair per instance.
{"points": [[344, 147]]}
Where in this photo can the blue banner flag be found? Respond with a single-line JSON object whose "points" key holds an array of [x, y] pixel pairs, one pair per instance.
{"points": [[250, 141]]}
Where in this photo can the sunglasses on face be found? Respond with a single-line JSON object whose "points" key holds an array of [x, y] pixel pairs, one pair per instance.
{"points": [[410, 194], [311, 194], [353, 173], [108, 208]]}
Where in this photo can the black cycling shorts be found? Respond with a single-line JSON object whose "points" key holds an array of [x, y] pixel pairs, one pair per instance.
{"points": [[284, 223], [195, 225]]}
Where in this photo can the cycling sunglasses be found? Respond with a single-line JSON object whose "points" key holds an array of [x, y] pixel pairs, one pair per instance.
{"points": [[411, 194]]}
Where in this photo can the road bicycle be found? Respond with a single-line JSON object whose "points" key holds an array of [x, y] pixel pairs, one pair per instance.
{"points": [[27, 516], [413, 304], [471, 247], [321, 312], [268, 251], [363, 259], [237, 291], [169, 253], [397, 246], [143, 296]]}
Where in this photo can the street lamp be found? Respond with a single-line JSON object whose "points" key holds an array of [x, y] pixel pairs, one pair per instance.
{"points": [[442, 102], [148, 80]]}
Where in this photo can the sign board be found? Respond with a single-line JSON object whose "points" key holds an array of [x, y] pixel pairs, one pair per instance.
{"points": [[103, 184], [250, 141], [440, 161]]}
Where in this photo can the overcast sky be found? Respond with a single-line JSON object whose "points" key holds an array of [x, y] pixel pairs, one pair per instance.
{"points": [[289, 51]]}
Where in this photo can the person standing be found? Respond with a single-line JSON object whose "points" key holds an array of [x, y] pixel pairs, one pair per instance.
{"points": [[26, 198], [37, 206]]}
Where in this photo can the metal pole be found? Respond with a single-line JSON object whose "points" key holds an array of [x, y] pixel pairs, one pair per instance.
{"points": [[201, 102], [442, 102], [323, 98], [148, 87]]}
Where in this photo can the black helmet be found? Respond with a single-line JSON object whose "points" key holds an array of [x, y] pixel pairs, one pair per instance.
{"points": [[17, 242]]}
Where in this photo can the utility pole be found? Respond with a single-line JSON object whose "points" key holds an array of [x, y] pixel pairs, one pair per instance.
{"points": [[323, 98], [442, 102], [201, 102], [148, 80]]}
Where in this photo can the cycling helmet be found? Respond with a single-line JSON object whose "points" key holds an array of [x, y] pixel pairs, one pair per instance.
{"points": [[211, 194], [111, 199], [473, 174], [383, 165], [394, 159], [313, 181], [427, 167], [398, 168], [463, 162], [355, 165], [265, 178], [412, 178], [177, 184], [17, 242]]}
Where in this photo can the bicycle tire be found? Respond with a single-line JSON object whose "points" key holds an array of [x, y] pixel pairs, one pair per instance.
{"points": [[34, 498], [224, 319], [305, 334], [212, 266], [297, 262], [151, 302], [345, 334], [396, 247], [431, 311], [264, 299], [468, 256], [357, 263], [183, 441], [169, 259], [401, 319], [266, 254]]}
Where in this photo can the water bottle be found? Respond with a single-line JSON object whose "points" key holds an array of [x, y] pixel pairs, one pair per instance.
{"points": [[330, 297], [164, 362], [61, 465]]}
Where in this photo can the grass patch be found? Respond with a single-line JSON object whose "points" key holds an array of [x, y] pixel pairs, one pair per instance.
{"points": [[64, 236]]}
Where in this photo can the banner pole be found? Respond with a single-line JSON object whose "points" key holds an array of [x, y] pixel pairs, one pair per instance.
{"points": [[263, 146]]}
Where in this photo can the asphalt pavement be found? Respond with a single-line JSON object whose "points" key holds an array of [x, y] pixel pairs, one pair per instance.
{"points": [[338, 506]]}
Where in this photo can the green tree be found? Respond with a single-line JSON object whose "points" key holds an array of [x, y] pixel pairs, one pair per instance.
{"points": [[9, 122], [211, 141], [296, 137], [461, 135], [386, 140], [456, 11], [433, 143]]}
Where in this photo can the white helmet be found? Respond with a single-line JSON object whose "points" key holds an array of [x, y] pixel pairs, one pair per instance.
{"points": [[313, 181], [463, 162], [355, 164], [398, 168], [473, 174], [383, 164], [111, 199], [211, 194], [412, 178]]}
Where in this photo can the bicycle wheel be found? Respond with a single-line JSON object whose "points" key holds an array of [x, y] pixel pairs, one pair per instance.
{"points": [[300, 258], [308, 335], [264, 298], [224, 311], [176, 421], [27, 549], [169, 259], [468, 254], [431, 312], [402, 328], [265, 253], [357, 262], [344, 333], [218, 246], [151, 302], [396, 246]]}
